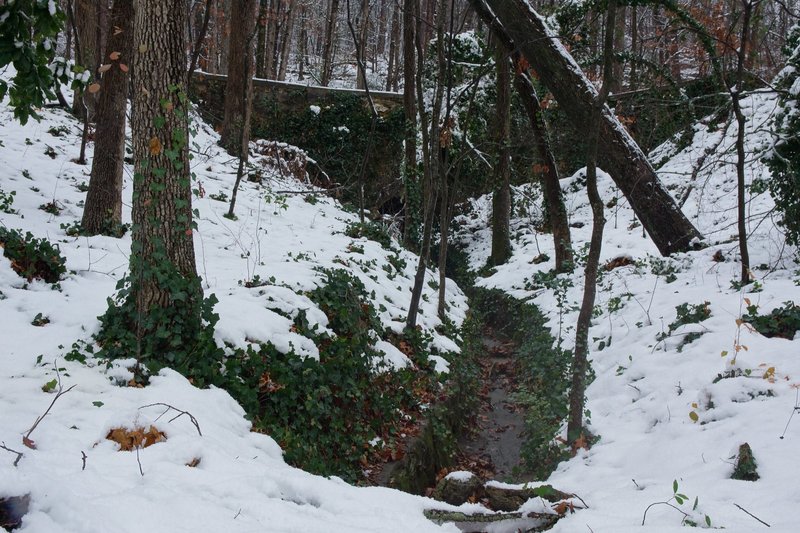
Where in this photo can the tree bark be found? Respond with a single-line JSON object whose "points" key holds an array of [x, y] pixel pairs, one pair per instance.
{"points": [[556, 211], [735, 90], [501, 197], [580, 361], [103, 210], [243, 13], [410, 136], [667, 226], [327, 51], [430, 166], [361, 45], [85, 19], [261, 40], [162, 198]]}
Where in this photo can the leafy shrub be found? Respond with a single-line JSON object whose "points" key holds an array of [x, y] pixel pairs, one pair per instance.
{"points": [[323, 412], [782, 322], [173, 337], [687, 314], [784, 158], [373, 231], [32, 258], [6, 201]]}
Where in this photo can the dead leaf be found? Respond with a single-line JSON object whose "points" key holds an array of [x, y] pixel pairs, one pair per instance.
{"points": [[104, 68], [93, 88], [29, 443], [130, 439], [123, 67], [155, 146], [114, 56], [117, 30], [193, 463]]}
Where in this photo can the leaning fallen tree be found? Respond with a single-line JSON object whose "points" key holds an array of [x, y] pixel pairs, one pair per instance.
{"points": [[620, 156]]}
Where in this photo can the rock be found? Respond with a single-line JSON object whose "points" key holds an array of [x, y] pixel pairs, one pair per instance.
{"points": [[504, 498], [12, 509], [745, 469], [457, 487]]}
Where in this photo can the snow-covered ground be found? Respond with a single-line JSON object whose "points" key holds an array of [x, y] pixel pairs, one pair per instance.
{"points": [[241, 482], [646, 389], [641, 400]]}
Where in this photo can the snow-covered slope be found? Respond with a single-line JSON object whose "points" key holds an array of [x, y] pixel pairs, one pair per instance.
{"points": [[241, 482], [656, 403]]}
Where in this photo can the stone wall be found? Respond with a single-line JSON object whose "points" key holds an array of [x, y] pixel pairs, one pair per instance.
{"points": [[333, 125]]}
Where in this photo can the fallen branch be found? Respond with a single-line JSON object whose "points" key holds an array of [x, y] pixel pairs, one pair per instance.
{"points": [[751, 514], [180, 414], [19, 454], [26, 439]]}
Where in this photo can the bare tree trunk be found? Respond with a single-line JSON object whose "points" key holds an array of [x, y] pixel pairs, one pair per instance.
{"points": [[667, 226], [430, 165], [327, 51], [286, 40], [394, 45], [556, 211], [103, 210], [239, 76], [162, 198], [501, 194], [261, 40], [410, 112], [619, 46], [85, 18], [580, 361], [736, 99], [201, 36], [361, 45], [302, 47]]}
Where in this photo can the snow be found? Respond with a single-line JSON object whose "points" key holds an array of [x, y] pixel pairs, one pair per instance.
{"points": [[241, 482], [640, 401], [460, 475], [645, 389]]}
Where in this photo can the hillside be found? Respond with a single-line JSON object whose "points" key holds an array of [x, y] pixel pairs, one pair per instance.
{"points": [[262, 267], [680, 380]]}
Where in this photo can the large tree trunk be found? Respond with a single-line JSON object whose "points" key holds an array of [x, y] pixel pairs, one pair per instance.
{"points": [[670, 230], [240, 76], [501, 197], [162, 198], [103, 210]]}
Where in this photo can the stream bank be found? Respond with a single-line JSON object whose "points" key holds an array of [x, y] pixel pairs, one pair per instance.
{"points": [[503, 402]]}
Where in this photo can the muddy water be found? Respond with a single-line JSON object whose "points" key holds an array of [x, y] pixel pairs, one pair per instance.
{"points": [[498, 435]]}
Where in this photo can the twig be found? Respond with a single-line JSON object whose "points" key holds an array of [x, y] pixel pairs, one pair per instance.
{"points": [[794, 410], [83, 458], [139, 461], [26, 439], [19, 454], [180, 414], [644, 517], [751, 514]]}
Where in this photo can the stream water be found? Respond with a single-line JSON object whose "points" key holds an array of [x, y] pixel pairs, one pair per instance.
{"points": [[498, 436]]}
